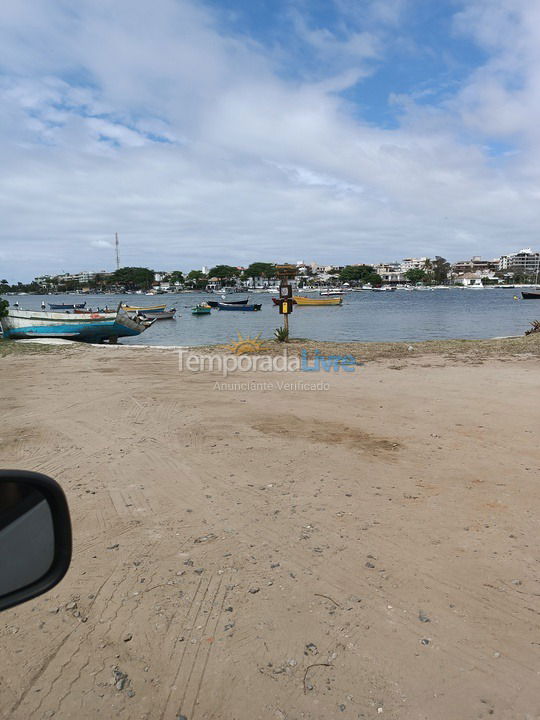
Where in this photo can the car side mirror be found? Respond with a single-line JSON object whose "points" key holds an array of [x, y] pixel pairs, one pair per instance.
{"points": [[35, 536]]}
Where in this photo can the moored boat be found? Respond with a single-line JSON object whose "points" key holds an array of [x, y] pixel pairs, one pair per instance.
{"points": [[242, 308], [311, 302], [149, 308], [159, 314], [94, 327], [201, 309], [67, 306], [215, 303], [276, 301], [530, 294]]}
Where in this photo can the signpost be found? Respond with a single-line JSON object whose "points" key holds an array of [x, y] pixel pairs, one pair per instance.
{"points": [[286, 302]]}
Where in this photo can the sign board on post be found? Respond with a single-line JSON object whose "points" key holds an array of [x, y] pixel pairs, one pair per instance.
{"points": [[285, 272], [285, 307], [285, 291]]}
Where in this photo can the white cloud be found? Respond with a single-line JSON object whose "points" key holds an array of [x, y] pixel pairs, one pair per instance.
{"points": [[149, 120]]}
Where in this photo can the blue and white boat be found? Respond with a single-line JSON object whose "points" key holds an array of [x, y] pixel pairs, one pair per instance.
{"points": [[91, 327], [67, 306]]}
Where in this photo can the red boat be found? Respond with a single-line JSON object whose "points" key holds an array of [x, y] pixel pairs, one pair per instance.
{"points": [[276, 301]]}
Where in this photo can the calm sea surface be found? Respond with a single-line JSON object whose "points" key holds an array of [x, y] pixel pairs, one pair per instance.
{"points": [[364, 316]]}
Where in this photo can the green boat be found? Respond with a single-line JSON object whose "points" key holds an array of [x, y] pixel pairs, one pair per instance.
{"points": [[201, 310]]}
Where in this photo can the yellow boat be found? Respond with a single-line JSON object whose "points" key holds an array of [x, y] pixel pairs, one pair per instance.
{"points": [[317, 301], [152, 308]]}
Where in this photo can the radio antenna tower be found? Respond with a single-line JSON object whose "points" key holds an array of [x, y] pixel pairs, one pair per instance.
{"points": [[117, 245]]}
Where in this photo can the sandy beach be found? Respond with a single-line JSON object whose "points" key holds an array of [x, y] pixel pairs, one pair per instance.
{"points": [[366, 550]]}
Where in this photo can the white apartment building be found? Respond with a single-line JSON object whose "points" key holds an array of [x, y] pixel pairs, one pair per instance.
{"points": [[525, 260], [413, 264]]}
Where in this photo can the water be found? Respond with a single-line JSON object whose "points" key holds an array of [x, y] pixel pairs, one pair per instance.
{"points": [[364, 316]]}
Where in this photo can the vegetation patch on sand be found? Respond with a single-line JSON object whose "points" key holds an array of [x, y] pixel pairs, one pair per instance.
{"points": [[16, 347], [363, 351]]}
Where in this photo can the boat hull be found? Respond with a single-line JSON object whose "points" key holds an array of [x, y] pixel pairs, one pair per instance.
{"points": [[28, 324], [311, 302], [150, 308], [67, 306], [277, 301], [241, 308], [531, 295], [161, 315], [215, 303]]}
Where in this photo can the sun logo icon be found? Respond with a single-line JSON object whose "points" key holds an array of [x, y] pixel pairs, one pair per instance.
{"points": [[246, 345]]}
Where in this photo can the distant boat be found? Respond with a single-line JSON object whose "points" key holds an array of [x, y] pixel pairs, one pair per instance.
{"points": [[383, 289], [215, 303], [276, 301], [94, 327], [67, 306], [201, 310], [310, 302], [149, 308], [332, 292], [244, 308], [159, 314], [530, 294]]}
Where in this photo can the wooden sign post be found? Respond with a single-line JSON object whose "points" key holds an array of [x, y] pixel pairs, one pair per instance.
{"points": [[285, 273]]}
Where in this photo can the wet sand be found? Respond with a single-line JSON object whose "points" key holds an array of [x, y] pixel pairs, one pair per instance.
{"points": [[363, 551]]}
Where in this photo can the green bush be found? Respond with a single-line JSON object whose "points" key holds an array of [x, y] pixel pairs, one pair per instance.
{"points": [[281, 334]]}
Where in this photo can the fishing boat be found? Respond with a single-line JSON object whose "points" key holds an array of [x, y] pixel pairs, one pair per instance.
{"points": [[149, 308], [94, 327], [530, 294], [244, 308], [159, 314], [67, 306], [215, 303], [202, 309], [276, 301], [311, 302]]}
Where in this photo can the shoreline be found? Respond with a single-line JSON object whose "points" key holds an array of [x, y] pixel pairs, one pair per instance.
{"points": [[526, 345]]}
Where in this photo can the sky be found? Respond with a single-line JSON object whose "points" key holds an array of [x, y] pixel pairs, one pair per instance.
{"points": [[335, 131]]}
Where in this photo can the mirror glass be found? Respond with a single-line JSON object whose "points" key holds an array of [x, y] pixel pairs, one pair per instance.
{"points": [[26, 536]]}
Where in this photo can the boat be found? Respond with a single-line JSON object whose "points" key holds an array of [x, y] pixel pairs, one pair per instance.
{"points": [[332, 293], [159, 314], [310, 302], [383, 289], [244, 308], [215, 303], [277, 301], [67, 306], [530, 294], [94, 327], [202, 309], [149, 308]]}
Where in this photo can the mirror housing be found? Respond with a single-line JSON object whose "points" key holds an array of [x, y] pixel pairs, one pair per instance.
{"points": [[35, 536]]}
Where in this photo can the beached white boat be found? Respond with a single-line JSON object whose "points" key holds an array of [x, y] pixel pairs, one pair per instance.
{"points": [[91, 327]]}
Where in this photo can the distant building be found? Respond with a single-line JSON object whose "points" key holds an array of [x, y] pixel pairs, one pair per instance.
{"points": [[390, 272], [413, 264], [44, 280], [469, 279], [525, 261], [475, 264]]}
